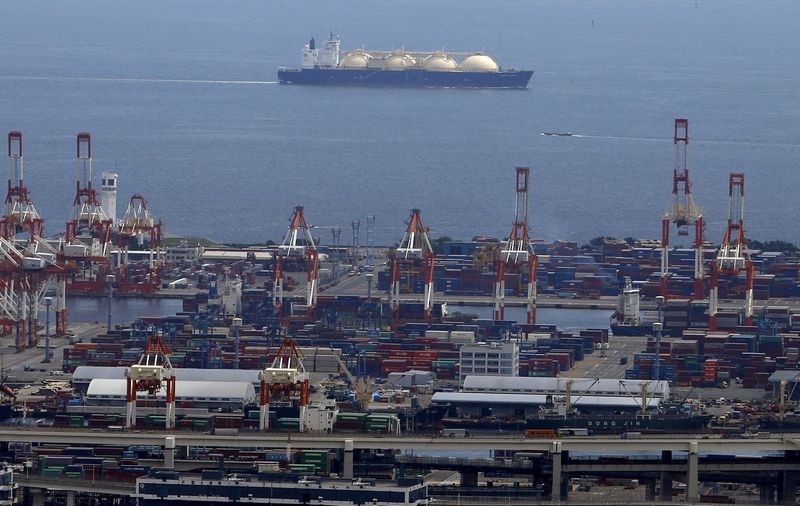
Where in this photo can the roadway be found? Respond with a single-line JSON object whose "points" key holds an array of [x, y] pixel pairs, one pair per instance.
{"points": [[358, 285], [607, 364], [13, 363], [98, 486], [599, 445]]}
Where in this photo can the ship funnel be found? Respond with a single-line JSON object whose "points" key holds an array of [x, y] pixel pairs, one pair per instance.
{"points": [[311, 44]]}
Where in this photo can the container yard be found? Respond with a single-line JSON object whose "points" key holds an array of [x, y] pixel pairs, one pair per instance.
{"points": [[298, 339]]}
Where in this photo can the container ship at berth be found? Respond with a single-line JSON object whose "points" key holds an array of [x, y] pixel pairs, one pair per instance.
{"points": [[433, 69]]}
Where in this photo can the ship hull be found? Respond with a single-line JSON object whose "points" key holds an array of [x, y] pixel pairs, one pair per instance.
{"points": [[411, 78], [618, 329], [599, 424]]}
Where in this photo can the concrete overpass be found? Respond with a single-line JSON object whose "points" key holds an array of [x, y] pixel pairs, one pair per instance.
{"points": [[559, 450], [604, 445], [37, 485]]}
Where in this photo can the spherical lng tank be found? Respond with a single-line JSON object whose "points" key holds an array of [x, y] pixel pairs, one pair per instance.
{"points": [[440, 61], [399, 61], [357, 59], [479, 62]]}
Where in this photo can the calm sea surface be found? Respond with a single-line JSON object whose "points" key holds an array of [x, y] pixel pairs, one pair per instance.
{"points": [[181, 100]]}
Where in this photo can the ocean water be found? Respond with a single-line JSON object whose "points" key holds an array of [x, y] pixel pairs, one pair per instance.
{"points": [[181, 100]]}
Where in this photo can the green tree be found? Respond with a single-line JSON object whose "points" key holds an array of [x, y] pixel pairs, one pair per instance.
{"points": [[438, 243]]}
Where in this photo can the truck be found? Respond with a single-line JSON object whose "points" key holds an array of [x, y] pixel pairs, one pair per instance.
{"points": [[455, 433]]}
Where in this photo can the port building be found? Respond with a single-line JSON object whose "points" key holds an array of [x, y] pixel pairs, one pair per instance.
{"points": [[201, 394], [527, 396], [489, 359]]}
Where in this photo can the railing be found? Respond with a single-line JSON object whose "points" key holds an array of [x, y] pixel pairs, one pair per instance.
{"points": [[464, 462]]}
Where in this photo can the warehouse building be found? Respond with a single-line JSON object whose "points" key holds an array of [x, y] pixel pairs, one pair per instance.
{"points": [[521, 397], [226, 395], [83, 376]]}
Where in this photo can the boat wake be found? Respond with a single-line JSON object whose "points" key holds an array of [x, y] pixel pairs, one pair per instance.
{"points": [[662, 139], [135, 80]]}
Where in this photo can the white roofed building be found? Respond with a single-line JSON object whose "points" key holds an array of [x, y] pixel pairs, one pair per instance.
{"points": [[521, 397], [202, 394], [83, 375]]}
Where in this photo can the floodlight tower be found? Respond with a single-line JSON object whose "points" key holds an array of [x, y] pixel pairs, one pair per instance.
{"points": [[415, 252], [733, 255], [286, 376], [299, 243], [683, 212], [517, 252]]}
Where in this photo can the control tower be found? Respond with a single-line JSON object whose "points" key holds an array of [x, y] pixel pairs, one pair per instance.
{"points": [[108, 195]]}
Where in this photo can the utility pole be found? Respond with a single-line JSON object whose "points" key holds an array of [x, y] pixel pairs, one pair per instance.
{"points": [[355, 251], [370, 239]]}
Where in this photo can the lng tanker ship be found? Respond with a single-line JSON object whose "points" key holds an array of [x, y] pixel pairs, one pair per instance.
{"points": [[434, 69]]}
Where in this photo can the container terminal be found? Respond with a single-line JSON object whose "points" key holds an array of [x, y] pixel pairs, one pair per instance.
{"points": [[273, 387]]}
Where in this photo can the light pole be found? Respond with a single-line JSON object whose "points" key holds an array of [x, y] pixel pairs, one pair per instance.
{"points": [[110, 283], [47, 302], [369, 299], [237, 324], [657, 329]]}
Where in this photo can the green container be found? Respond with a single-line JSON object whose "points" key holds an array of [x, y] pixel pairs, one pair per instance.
{"points": [[314, 454], [352, 417], [303, 468], [288, 423]]}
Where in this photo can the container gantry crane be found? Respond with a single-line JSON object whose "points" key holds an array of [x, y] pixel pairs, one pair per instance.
{"points": [[298, 243], [138, 222], [517, 252], [683, 212], [150, 374], [21, 215], [733, 255], [29, 264], [88, 234], [286, 377], [415, 255]]}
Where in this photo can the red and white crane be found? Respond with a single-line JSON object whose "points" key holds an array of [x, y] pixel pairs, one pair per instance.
{"points": [[683, 212], [416, 254], [21, 215], [287, 378], [733, 255], [152, 372], [517, 252], [298, 243], [88, 235], [29, 264], [89, 218], [139, 223]]}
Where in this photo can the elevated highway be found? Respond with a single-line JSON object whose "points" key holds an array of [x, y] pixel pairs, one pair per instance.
{"points": [[691, 453], [599, 445]]}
